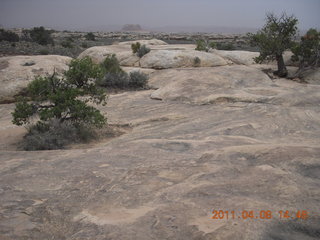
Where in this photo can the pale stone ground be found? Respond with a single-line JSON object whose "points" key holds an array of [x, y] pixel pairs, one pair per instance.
{"points": [[219, 138]]}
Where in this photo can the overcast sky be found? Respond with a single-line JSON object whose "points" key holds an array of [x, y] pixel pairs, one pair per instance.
{"points": [[73, 14]]}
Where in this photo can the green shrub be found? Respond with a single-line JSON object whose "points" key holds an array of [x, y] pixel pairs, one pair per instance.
{"points": [[41, 35], [307, 51], [90, 36], [8, 36], [225, 46], [55, 135], [201, 46], [111, 64], [135, 47], [138, 80], [143, 50], [204, 45], [196, 62], [64, 99], [115, 80]]}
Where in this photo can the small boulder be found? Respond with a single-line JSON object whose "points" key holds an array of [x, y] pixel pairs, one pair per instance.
{"points": [[16, 72]]}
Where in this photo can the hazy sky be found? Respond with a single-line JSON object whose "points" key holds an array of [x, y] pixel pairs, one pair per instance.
{"points": [[67, 14]]}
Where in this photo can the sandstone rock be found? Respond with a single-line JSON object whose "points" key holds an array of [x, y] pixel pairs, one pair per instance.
{"points": [[163, 59], [137, 69], [312, 76], [229, 84], [17, 71], [238, 57]]}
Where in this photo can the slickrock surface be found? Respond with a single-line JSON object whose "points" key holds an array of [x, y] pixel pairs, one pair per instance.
{"points": [[222, 138]]}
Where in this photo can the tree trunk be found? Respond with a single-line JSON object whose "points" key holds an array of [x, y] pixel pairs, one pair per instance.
{"points": [[282, 70]]}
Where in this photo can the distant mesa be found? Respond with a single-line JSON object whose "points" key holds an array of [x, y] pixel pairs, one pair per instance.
{"points": [[131, 28]]}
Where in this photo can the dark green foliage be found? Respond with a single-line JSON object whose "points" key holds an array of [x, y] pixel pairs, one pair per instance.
{"points": [[64, 99], [135, 47], [196, 62], [307, 51], [143, 50], [111, 64], [225, 46], [90, 36], [274, 38], [40, 35], [205, 45], [138, 80], [55, 135], [8, 36]]}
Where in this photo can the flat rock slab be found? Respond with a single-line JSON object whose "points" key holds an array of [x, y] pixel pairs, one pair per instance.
{"points": [[18, 71], [227, 84], [179, 163]]}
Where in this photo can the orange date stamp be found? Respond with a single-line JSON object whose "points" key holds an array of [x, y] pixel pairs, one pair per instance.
{"points": [[261, 214]]}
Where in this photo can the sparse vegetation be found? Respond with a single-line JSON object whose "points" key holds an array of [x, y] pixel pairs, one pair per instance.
{"points": [[274, 38], [225, 46], [115, 80], [196, 62], [55, 135], [115, 77], [135, 47], [90, 36], [111, 64], [307, 51], [139, 50], [143, 50], [8, 36], [40, 35], [67, 43], [63, 100], [205, 45], [138, 80]]}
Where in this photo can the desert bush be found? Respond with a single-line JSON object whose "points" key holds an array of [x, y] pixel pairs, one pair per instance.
{"points": [[143, 50], [111, 64], [139, 50], [8, 36], [138, 79], [40, 35], [204, 45], [115, 77], [90, 36], [196, 62], [135, 47], [307, 51], [274, 38], [55, 135], [64, 99], [225, 46], [115, 80]]}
